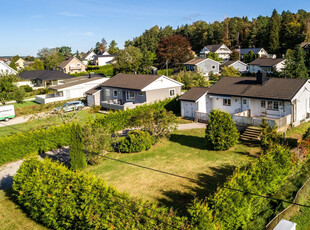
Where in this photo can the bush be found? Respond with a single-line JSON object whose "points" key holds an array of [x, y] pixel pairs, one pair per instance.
{"points": [[107, 70], [27, 88], [62, 199], [191, 79], [136, 141], [77, 149], [30, 143], [268, 135], [231, 207], [95, 109], [164, 72], [306, 135], [221, 131]]}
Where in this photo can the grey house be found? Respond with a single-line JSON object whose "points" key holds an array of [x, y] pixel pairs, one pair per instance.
{"points": [[203, 65], [126, 91], [238, 65]]}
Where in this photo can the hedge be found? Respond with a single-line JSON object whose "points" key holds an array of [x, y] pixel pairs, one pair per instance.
{"points": [[231, 209], [62, 199], [29, 143], [107, 70]]}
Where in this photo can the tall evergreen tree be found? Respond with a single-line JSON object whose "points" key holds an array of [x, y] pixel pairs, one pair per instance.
{"points": [[113, 47], [77, 149], [273, 32], [295, 64]]}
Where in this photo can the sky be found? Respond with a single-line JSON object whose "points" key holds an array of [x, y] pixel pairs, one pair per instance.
{"points": [[29, 25]]}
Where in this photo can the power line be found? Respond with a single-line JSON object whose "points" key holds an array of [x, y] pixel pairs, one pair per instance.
{"points": [[201, 182]]}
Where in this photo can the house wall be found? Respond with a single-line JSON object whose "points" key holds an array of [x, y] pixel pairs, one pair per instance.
{"points": [[188, 109], [161, 94], [207, 66], [217, 103], [254, 68], [101, 61], [302, 104], [5, 69], [241, 67], [121, 95]]}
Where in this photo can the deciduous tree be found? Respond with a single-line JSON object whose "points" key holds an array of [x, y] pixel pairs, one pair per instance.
{"points": [[128, 60], [229, 71]]}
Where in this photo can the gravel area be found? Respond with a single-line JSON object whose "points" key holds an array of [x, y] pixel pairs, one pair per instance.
{"points": [[194, 125]]}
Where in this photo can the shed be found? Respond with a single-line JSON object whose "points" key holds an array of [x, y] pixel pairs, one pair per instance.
{"points": [[285, 225]]}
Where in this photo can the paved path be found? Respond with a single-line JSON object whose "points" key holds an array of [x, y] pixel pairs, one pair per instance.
{"points": [[29, 99], [15, 120], [194, 125]]}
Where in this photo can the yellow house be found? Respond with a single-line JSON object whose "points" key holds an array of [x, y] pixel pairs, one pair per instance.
{"points": [[72, 65], [20, 63]]}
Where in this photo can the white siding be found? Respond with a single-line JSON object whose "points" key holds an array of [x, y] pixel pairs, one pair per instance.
{"points": [[202, 104], [188, 109], [162, 83], [302, 103]]}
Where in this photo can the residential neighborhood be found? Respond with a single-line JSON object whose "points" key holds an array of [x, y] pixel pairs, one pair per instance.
{"points": [[120, 115]]}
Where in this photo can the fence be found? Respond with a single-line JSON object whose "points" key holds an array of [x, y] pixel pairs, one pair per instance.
{"points": [[292, 209], [202, 117]]}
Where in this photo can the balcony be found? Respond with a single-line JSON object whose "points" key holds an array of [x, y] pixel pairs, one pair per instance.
{"points": [[245, 118], [48, 98], [118, 105]]}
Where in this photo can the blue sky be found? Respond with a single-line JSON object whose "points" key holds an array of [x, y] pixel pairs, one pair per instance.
{"points": [[29, 25]]}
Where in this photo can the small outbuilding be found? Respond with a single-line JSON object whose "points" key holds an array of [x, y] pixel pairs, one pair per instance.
{"points": [[193, 103]]}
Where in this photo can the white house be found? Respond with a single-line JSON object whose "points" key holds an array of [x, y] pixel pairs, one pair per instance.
{"points": [[223, 51], [126, 91], [71, 88], [204, 66], [88, 57], [5, 69], [193, 103], [249, 99], [259, 52], [238, 65], [103, 59], [268, 65]]}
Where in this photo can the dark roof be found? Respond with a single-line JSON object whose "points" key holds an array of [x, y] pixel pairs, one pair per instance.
{"points": [[273, 88], [130, 81], [268, 62], [247, 50], [214, 48], [194, 61], [193, 94], [75, 81], [44, 75], [93, 90]]}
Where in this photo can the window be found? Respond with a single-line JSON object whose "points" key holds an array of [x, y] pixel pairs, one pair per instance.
{"points": [[107, 92], [213, 67], [281, 105], [140, 93], [227, 102], [115, 93], [245, 101], [171, 92], [276, 105], [130, 96], [270, 105], [263, 104]]}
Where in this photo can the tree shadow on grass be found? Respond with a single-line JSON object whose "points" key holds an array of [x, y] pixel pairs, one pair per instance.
{"points": [[189, 141], [205, 186]]}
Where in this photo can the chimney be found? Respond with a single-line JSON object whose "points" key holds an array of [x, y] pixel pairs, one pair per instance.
{"points": [[261, 77], [91, 75], [154, 71]]}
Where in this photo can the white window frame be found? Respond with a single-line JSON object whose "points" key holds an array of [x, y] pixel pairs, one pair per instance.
{"points": [[130, 96], [171, 90], [115, 96], [107, 92], [226, 102], [263, 104]]}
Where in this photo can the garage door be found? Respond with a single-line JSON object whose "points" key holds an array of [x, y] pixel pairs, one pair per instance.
{"points": [[189, 109]]}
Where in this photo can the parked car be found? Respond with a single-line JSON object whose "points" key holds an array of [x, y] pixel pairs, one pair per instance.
{"points": [[7, 112], [71, 106]]}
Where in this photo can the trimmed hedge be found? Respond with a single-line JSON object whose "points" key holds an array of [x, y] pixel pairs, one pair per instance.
{"points": [[136, 141], [231, 209], [29, 143], [62, 199], [107, 70]]}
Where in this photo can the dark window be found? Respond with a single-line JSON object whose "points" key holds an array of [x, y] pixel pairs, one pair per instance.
{"points": [[263, 104], [227, 102]]}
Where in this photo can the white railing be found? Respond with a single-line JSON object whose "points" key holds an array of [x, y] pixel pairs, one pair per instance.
{"points": [[116, 105], [201, 116]]}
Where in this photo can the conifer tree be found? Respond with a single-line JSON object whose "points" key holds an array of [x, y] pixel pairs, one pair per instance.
{"points": [[273, 32], [77, 149]]}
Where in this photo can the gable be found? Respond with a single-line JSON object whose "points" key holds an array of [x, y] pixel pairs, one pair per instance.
{"points": [[162, 83]]}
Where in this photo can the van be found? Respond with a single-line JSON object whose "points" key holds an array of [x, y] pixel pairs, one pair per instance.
{"points": [[7, 112]]}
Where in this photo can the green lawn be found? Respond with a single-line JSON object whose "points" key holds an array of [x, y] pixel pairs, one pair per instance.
{"points": [[24, 104], [12, 217], [303, 217], [184, 154], [298, 131], [81, 117]]}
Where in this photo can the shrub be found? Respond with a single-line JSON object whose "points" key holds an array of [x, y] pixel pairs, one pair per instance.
{"points": [[164, 72], [34, 142], [95, 109], [136, 141], [221, 131], [191, 79], [77, 149], [63, 199], [27, 88], [231, 206], [268, 135], [306, 135]]}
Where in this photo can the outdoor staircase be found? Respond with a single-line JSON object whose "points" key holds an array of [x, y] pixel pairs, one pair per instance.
{"points": [[251, 134]]}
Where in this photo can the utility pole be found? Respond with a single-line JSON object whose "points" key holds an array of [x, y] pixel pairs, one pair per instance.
{"points": [[167, 67]]}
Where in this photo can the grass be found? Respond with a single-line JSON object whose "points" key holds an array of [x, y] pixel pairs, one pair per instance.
{"points": [[297, 132], [181, 120], [12, 217], [183, 154], [23, 104], [303, 217], [81, 117]]}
